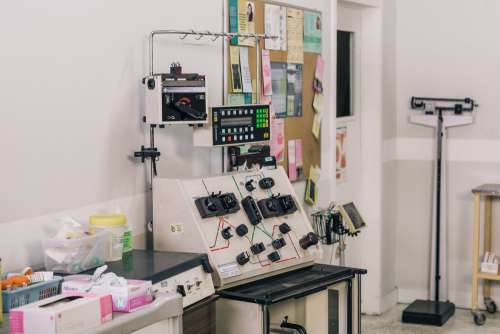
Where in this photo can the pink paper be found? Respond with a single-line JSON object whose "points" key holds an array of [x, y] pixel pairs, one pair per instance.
{"points": [[298, 153], [278, 138], [267, 87]]}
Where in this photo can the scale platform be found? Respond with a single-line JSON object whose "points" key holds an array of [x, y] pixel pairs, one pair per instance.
{"points": [[428, 312]]}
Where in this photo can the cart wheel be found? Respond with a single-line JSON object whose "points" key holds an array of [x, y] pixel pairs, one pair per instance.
{"points": [[479, 319], [491, 306]]}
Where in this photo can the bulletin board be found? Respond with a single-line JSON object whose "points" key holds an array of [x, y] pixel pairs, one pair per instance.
{"points": [[295, 127]]}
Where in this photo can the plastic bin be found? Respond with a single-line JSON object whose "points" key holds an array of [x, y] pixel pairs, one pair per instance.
{"points": [[30, 294], [116, 225], [73, 256]]}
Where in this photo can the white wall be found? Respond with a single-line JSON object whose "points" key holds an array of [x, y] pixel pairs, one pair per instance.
{"points": [[70, 101], [442, 48]]}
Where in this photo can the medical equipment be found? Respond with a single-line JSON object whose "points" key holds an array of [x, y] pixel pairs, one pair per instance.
{"points": [[235, 125], [262, 248], [175, 98], [441, 114]]}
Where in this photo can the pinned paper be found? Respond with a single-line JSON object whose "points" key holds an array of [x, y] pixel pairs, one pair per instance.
{"points": [[246, 21], [275, 25], [267, 86], [279, 84], [341, 154], [298, 158], [295, 35], [235, 99], [316, 127], [311, 194], [234, 55], [294, 90], [246, 76], [313, 26], [278, 139], [318, 102], [292, 161]]}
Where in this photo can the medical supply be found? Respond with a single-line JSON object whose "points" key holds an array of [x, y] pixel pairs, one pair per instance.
{"points": [[120, 237], [75, 249], [62, 314], [128, 295], [18, 296], [489, 264]]}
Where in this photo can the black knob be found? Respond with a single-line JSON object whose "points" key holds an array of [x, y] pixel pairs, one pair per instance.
{"points": [[309, 240], [211, 206], [228, 202], [274, 256], [271, 204], [226, 233], [242, 258], [284, 228], [249, 186], [241, 230], [180, 290], [258, 248], [266, 183], [279, 243]]}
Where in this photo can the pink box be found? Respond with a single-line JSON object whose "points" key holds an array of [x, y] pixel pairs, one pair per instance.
{"points": [[125, 298], [62, 314]]}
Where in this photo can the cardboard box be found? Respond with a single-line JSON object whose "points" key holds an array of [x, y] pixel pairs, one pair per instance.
{"points": [[128, 298], [62, 314]]}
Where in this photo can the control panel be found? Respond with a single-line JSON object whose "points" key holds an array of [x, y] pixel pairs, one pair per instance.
{"points": [[251, 225], [235, 125], [193, 285]]}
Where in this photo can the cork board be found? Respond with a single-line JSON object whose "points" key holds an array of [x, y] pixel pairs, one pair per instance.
{"points": [[295, 127]]}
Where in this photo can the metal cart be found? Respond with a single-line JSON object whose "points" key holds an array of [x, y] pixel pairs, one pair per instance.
{"points": [[487, 192]]}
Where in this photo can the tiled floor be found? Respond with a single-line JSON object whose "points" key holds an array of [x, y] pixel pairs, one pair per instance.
{"points": [[461, 323]]}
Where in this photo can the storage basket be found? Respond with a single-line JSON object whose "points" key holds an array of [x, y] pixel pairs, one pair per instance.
{"points": [[30, 294]]}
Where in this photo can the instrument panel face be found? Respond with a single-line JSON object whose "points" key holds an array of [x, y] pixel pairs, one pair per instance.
{"points": [[249, 240], [235, 125]]}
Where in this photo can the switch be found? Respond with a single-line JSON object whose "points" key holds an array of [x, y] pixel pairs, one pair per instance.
{"points": [[180, 290], [284, 228], [242, 258], [258, 248], [266, 183], [241, 230], [226, 233], [279, 243], [274, 256], [310, 239]]}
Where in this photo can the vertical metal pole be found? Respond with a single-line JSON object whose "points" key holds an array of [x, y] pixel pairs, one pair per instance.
{"points": [[266, 326], [359, 303], [224, 73], [349, 306], [438, 201]]}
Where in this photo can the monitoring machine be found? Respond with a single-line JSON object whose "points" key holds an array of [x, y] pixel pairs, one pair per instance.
{"points": [[262, 248]]}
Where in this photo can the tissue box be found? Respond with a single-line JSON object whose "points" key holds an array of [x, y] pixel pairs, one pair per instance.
{"points": [[61, 314], [125, 298], [489, 268]]}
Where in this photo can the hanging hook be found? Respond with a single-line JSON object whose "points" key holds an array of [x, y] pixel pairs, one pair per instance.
{"points": [[200, 36], [215, 38], [183, 37]]}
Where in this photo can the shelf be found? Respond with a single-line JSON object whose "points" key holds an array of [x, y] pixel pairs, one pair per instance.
{"points": [[486, 276]]}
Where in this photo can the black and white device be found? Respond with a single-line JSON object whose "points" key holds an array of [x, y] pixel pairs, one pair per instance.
{"points": [[441, 114], [236, 125], [175, 98]]}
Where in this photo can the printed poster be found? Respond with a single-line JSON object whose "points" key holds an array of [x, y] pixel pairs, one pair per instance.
{"points": [[341, 154], [275, 25], [234, 55], [246, 76], [246, 21], [295, 35], [312, 32], [279, 88], [294, 90]]}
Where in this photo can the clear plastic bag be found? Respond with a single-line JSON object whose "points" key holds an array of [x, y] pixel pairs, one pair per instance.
{"points": [[74, 250]]}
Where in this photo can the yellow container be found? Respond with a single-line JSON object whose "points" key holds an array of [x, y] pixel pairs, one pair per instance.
{"points": [[120, 237]]}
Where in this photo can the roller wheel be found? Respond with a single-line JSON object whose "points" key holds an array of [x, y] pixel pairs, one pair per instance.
{"points": [[491, 306], [479, 319]]}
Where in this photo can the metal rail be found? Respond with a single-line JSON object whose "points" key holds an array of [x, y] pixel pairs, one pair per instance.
{"points": [[183, 34]]}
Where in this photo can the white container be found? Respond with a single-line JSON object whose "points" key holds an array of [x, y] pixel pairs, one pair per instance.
{"points": [[72, 256], [116, 226]]}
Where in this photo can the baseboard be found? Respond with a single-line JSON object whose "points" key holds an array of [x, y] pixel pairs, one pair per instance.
{"points": [[389, 301], [379, 305]]}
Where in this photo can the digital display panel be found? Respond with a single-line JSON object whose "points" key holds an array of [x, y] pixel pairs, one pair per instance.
{"points": [[236, 121]]}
